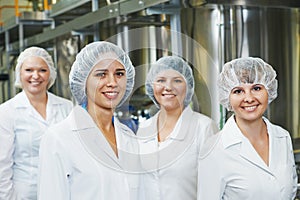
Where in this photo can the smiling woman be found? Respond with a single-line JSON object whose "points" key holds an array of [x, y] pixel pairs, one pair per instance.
{"points": [[24, 119], [250, 158], [171, 140], [86, 155]]}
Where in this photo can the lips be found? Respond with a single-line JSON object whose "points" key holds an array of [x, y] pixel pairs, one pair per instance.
{"points": [[110, 94], [169, 95], [35, 82], [250, 108]]}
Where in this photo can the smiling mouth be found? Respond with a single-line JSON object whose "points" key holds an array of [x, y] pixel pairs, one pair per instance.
{"points": [[169, 95], [111, 95], [249, 108], [35, 82]]}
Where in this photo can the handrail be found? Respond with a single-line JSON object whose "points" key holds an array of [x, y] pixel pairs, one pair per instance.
{"points": [[12, 7]]}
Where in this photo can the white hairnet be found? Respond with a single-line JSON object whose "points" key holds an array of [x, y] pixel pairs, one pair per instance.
{"points": [[35, 52], [246, 70], [87, 58], [177, 64]]}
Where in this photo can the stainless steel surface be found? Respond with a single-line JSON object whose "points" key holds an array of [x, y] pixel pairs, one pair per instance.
{"points": [[207, 33], [65, 6], [228, 31], [256, 3], [104, 13]]}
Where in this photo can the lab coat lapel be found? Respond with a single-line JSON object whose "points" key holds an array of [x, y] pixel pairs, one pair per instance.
{"points": [[93, 140], [249, 153], [23, 104], [148, 144], [51, 113], [152, 158], [234, 137], [182, 140], [278, 148]]}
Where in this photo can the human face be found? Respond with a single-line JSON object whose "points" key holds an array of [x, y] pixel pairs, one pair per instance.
{"points": [[249, 101], [106, 84], [34, 75], [170, 89]]}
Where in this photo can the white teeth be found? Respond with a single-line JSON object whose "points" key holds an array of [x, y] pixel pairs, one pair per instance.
{"points": [[250, 108], [111, 94], [35, 82], [168, 95]]}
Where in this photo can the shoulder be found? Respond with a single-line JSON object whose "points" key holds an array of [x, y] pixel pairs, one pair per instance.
{"points": [[9, 106], [202, 118], [123, 127], [148, 127], [58, 99], [212, 146], [276, 130], [62, 127]]}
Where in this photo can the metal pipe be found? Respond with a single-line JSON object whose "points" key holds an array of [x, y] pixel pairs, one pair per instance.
{"points": [[17, 14], [46, 5], [175, 23], [95, 6]]}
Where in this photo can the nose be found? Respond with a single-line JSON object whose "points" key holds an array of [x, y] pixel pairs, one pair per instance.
{"points": [[111, 81], [168, 86], [249, 98], [35, 74]]}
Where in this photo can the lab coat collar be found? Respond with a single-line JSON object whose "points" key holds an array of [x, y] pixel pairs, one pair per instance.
{"points": [[181, 127], [22, 101], [82, 119], [233, 136], [93, 140]]}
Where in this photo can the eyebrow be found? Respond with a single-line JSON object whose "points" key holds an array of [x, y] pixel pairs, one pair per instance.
{"points": [[167, 77], [104, 70]]}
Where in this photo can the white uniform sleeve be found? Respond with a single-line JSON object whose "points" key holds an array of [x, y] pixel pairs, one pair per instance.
{"points": [[291, 162], [6, 154], [53, 176], [211, 182]]}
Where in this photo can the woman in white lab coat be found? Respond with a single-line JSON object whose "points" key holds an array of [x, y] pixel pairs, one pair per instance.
{"points": [[23, 121], [91, 155], [251, 158], [170, 141]]}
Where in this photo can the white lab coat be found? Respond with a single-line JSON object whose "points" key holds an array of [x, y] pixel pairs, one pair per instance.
{"points": [[233, 170], [77, 162], [21, 128], [171, 167]]}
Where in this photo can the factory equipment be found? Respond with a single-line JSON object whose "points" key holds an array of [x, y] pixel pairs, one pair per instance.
{"points": [[207, 33]]}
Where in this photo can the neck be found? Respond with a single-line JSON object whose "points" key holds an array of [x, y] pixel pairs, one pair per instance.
{"points": [[39, 103], [170, 116], [166, 122], [254, 129], [102, 117], [40, 98]]}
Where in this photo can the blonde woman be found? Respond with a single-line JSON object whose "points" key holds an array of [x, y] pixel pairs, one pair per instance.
{"points": [[23, 121]]}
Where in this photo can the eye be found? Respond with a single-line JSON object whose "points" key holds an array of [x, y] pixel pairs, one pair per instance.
{"points": [[100, 74], [237, 91], [43, 70], [160, 81], [257, 88], [27, 69], [178, 81], [120, 74]]}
